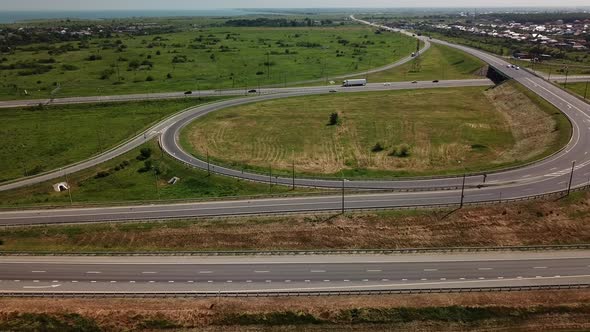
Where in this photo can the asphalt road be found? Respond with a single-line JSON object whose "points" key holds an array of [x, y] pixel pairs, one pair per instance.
{"points": [[307, 273]]}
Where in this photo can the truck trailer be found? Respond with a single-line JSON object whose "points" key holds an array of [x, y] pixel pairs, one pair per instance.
{"points": [[355, 82]]}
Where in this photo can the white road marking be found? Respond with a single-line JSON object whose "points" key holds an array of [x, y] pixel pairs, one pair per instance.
{"points": [[430, 270], [485, 268], [38, 271], [149, 272], [261, 271], [205, 272], [93, 272], [317, 271], [374, 271], [539, 267], [39, 287]]}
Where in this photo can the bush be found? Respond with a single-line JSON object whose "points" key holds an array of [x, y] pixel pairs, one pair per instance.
{"points": [[402, 151], [94, 57], [69, 67], [334, 118], [145, 154], [102, 174], [147, 166], [377, 147], [149, 79]]}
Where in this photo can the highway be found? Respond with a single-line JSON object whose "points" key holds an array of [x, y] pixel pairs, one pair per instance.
{"points": [[290, 273]]}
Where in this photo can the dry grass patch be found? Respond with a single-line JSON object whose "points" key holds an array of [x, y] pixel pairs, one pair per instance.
{"points": [[210, 314], [444, 131]]}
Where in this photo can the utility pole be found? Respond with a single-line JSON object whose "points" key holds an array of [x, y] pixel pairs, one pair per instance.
{"points": [[569, 185], [343, 195], [208, 164], [566, 72], [293, 169], [463, 191], [156, 178], [270, 179], [586, 90], [69, 188]]}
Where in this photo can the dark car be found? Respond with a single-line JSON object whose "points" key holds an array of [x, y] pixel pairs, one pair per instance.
{"points": [[333, 91], [188, 93], [252, 91], [435, 81]]}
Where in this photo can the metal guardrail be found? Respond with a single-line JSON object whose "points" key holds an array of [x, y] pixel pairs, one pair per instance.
{"points": [[16, 294], [401, 251]]}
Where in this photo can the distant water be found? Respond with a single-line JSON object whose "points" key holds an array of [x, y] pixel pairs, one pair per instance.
{"points": [[16, 16]]}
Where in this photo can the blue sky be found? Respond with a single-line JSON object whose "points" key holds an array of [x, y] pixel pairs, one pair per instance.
{"points": [[218, 4]]}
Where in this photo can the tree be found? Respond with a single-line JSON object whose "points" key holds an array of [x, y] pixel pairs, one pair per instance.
{"points": [[334, 118]]}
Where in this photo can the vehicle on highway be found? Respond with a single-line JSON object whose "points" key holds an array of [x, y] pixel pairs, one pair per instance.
{"points": [[355, 82], [333, 91], [252, 91], [188, 93], [386, 84], [517, 68], [414, 82], [413, 54], [435, 81]]}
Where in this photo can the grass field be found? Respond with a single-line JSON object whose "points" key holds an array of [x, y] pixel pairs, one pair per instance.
{"points": [[439, 62], [125, 179], [582, 89], [36, 139], [544, 222], [394, 133], [205, 58], [564, 310]]}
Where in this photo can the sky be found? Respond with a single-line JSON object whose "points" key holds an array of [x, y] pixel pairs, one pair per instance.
{"points": [[6, 5]]}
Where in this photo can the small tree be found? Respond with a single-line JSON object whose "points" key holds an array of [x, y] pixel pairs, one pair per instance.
{"points": [[334, 118], [145, 154]]}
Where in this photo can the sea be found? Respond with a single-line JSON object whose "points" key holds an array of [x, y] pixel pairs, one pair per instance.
{"points": [[7, 17]]}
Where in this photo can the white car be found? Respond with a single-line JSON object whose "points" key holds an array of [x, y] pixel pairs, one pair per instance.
{"points": [[386, 84], [517, 68]]}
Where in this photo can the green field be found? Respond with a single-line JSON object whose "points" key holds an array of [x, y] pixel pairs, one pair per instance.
{"points": [[204, 58], [393, 133], [439, 62], [582, 88], [35, 140], [126, 179]]}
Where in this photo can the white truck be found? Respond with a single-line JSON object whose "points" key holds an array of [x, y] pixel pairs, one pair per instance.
{"points": [[355, 82]]}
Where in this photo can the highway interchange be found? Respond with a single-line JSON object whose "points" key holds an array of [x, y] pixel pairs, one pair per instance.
{"points": [[41, 274]]}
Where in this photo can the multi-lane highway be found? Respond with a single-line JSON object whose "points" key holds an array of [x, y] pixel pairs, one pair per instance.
{"points": [[277, 273]]}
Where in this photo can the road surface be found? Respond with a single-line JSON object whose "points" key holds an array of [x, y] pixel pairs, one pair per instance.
{"points": [[307, 273]]}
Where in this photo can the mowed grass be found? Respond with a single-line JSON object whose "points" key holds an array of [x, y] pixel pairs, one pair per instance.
{"points": [[208, 58], [35, 140], [439, 62], [582, 88], [443, 131], [124, 179]]}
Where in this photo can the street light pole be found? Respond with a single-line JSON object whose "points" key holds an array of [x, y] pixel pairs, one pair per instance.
{"points": [[463, 191], [208, 164], [586, 90], [569, 185], [342, 195], [69, 188]]}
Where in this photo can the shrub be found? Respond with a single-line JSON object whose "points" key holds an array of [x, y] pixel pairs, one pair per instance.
{"points": [[94, 57], [144, 154], [334, 118], [377, 147], [69, 67], [102, 174], [149, 79]]}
